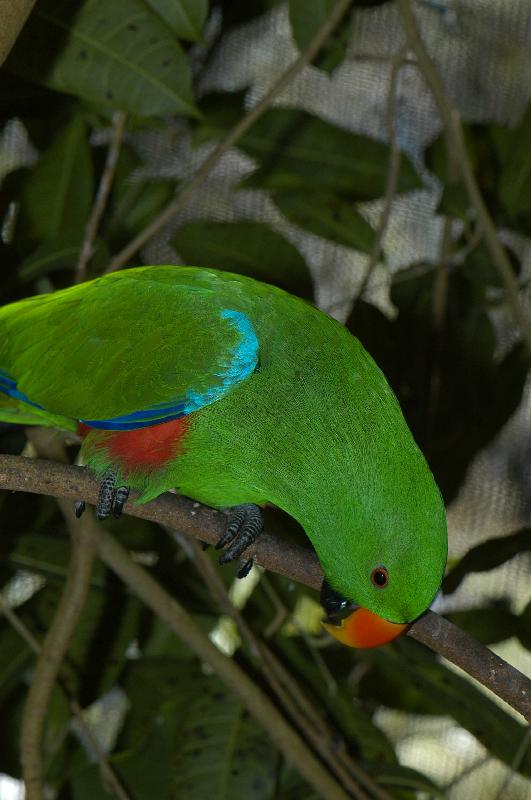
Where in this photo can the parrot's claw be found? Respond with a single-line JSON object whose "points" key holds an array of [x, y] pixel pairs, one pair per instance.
{"points": [[79, 508], [244, 526], [245, 567], [120, 498], [111, 498]]}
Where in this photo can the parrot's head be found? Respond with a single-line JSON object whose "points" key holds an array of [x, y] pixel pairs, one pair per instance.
{"points": [[390, 551]]}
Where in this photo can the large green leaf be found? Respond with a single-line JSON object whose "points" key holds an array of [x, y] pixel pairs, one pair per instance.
{"points": [[57, 194], [488, 555], [186, 18], [327, 215], [118, 55], [297, 149], [213, 748], [515, 182], [248, 248]]}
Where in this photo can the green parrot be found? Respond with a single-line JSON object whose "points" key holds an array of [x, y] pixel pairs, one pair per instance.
{"points": [[237, 394]]}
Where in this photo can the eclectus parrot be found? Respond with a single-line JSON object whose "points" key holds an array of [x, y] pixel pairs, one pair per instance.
{"points": [[238, 394]]}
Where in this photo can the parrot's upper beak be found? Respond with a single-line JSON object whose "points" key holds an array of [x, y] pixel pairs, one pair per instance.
{"points": [[363, 628], [353, 625]]}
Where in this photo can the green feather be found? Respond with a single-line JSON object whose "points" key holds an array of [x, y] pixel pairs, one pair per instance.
{"points": [[316, 430]]}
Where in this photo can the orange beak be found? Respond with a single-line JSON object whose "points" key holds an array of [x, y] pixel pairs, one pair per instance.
{"points": [[363, 628]]}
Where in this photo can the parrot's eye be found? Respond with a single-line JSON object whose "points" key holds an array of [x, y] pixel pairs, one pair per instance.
{"points": [[380, 577]]}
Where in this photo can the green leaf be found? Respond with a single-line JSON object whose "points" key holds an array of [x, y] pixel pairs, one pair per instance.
{"points": [[57, 195], [185, 18], [515, 181], [60, 254], [247, 248], [217, 749], [326, 215], [137, 203], [119, 55], [306, 18], [296, 149], [481, 270], [220, 111], [486, 556]]}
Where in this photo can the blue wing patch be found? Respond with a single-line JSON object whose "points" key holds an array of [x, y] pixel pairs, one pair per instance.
{"points": [[243, 361]]}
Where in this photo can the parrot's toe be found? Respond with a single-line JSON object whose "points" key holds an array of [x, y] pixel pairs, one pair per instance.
{"points": [[106, 495], [120, 498], [245, 567], [245, 524], [79, 508]]}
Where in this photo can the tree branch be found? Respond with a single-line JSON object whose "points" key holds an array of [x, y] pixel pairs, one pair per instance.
{"points": [[294, 701], [298, 563], [179, 621], [49, 660], [100, 202], [14, 16], [246, 122], [393, 170]]}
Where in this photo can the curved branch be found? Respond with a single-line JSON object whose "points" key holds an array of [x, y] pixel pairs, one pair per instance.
{"points": [[53, 649], [298, 563]]}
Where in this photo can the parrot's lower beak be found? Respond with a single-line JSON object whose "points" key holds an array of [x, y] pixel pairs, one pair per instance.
{"points": [[363, 628]]}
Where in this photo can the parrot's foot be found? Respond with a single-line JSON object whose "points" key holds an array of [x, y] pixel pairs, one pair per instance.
{"points": [[244, 526], [110, 498]]}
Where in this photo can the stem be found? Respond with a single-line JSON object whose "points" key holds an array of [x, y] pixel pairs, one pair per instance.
{"points": [[91, 229]]}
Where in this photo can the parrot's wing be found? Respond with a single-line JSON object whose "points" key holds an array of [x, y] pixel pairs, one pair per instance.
{"points": [[132, 349]]}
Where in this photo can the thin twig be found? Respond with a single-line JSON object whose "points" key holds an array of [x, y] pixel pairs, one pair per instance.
{"points": [[298, 563], [91, 229], [108, 777], [48, 664], [247, 121], [295, 702], [457, 153], [293, 748], [393, 170]]}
